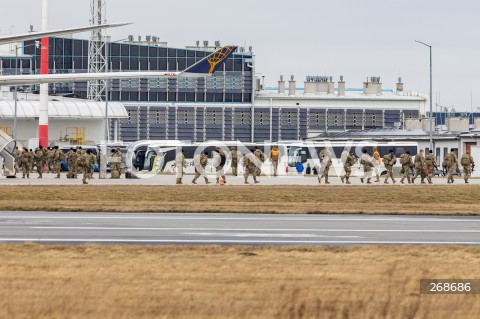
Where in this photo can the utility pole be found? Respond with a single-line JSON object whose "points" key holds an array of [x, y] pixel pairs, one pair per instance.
{"points": [[431, 108]]}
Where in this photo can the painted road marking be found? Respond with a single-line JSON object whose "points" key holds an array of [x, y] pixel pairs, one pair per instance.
{"points": [[259, 229], [267, 235]]}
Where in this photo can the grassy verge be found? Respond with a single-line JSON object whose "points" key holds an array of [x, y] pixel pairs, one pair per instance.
{"points": [[436, 200], [230, 282]]}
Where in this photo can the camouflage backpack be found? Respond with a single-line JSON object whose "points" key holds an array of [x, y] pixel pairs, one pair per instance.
{"points": [[386, 159], [465, 160], [351, 160], [404, 159], [246, 161]]}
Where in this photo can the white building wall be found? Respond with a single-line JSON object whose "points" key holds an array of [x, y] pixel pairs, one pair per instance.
{"points": [[28, 128]]}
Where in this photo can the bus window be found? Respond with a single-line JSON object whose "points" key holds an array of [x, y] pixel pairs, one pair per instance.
{"points": [[295, 155]]}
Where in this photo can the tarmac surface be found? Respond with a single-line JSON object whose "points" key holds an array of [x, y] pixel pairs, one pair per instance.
{"points": [[169, 179], [236, 229]]}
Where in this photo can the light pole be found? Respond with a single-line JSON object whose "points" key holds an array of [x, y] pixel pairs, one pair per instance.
{"points": [[15, 94], [431, 109]]}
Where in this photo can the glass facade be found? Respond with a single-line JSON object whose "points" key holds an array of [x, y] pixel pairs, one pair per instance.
{"points": [[232, 83]]}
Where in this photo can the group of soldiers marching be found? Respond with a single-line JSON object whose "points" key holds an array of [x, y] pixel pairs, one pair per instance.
{"points": [[423, 166], [251, 164], [78, 161], [27, 160]]}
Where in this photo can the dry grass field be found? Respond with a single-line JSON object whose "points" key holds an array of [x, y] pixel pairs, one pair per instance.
{"points": [[46, 281], [437, 200]]}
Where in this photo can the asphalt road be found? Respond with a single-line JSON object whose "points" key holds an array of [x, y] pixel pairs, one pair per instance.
{"points": [[236, 229]]}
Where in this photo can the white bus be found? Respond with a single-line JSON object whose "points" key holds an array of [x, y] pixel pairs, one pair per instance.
{"points": [[159, 156]]}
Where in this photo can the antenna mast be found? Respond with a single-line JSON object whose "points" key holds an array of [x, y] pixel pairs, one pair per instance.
{"points": [[97, 61]]}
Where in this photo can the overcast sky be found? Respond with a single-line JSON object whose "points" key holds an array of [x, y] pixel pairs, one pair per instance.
{"points": [[352, 38]]}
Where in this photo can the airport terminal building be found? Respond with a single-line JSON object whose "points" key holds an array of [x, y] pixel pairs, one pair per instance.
{"points": [[230, 105]]}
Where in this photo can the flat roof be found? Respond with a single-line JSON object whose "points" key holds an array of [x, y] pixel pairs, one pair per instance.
{"points": [[77, 109]]}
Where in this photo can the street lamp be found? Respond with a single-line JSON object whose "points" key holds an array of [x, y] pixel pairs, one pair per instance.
{"points": [[37, 45], [431, 111]]}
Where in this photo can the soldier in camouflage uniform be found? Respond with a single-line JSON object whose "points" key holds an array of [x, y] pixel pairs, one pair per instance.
{"points": [[39, 161], [84, 164], [389, 160], [325, 163], [93, 160], [406, 161], [116, 164], [348, 161], [58, 156], [452, 165], [261, 157], [24, 159], [367, 162], [234, 154], [249, 166], [431, 164], [51, 162], [180, 164], [467, 163], [17, 154], [31, 158], [201, 161], [419, 163], [71, 157]]}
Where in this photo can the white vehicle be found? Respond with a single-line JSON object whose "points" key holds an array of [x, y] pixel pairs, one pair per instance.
{"points": [[308, 153], [7, 160], [160, 155]]}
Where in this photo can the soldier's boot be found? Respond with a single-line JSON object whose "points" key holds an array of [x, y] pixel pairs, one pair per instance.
{"points": [[320, 179], [255, 180], [326, 180], [466, 180], [342, 178], [393, 180], [413, 180], [368, 181], [194, 180], [401, 181], [206, 181], [348, 182], [409, 180], [85, 182], [386, 181], [422, 181], [179, 181], [246, 181], [378, 179]]}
